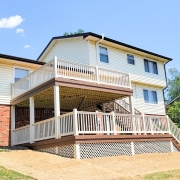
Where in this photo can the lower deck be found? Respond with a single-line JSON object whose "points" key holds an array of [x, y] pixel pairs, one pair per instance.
{"points": [[92, 146]]}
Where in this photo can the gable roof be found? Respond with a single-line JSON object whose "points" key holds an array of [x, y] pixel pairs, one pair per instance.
{"points": [[9, 57], [84, 35]]}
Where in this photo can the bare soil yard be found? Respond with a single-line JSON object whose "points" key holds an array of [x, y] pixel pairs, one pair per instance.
{"points": [[44, 166]]}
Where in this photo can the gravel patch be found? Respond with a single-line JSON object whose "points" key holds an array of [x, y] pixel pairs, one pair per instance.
{"points": [[44, 166]]}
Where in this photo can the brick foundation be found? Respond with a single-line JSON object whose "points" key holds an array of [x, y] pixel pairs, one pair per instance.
{"points": [[5, 123]]}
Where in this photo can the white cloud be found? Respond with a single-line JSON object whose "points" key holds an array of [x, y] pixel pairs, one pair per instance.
{"points": [[27, 46], [11, 22], [21, 31]]}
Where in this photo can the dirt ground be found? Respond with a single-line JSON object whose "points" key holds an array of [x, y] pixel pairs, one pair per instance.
{"points": [[45, 166]]}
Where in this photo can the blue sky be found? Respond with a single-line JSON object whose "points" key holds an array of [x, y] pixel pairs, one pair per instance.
{"points": [[148, 24]]}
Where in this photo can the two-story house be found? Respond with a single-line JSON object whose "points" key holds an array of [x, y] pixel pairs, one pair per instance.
{"points": [[89, 96]]}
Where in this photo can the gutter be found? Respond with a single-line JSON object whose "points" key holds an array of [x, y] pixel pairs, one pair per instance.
{"points": [[97, 50]]}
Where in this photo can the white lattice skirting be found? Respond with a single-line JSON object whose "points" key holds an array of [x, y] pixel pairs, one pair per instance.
{"points": [[125, 148], [65, 151], [93, 150]]}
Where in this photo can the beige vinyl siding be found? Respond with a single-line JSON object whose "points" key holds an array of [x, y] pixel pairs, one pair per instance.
{"points": [[74, 49], [6, 79], [118, 61], [138, 99], [6, 76]]}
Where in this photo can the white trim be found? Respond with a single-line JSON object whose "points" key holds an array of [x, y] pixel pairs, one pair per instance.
{"points": [[107, 54], [152, 104], [89, 51], [156, 65], [127, 59], [19, 67]]}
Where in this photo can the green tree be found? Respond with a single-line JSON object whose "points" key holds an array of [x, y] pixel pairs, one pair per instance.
{"points": [[173, 89], [174, 112], [72, 33]]}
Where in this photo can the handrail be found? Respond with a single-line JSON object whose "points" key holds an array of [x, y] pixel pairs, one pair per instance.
{"points": [[174, 130], [73, 70], [23, 127]]}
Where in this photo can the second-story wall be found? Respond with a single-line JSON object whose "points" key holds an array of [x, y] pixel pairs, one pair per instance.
{"points": [[73, 49], [7, 77], [118, 61]]}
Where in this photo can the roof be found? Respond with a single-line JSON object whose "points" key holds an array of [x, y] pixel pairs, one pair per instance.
{"points": [[177, 98], [105, 38], [21, 59]]}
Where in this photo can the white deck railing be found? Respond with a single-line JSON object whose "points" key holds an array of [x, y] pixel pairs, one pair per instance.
{"points": [[22, 135], [34, 79], [81, 122], [71, 70]]}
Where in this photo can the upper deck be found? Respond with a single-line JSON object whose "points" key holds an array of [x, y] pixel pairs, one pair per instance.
{"points": [[68, 70]]}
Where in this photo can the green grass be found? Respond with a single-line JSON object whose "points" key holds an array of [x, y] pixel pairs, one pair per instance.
{"points": [[6, 174], [165, 175], [4, 150]]}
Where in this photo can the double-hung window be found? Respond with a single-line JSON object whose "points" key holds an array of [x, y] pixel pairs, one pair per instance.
{"points": [[150, 66], [130, 59], [103, 53], [150, 96], [20, 73]]}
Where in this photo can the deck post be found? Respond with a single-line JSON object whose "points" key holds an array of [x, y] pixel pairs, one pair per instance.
{"points": [[168, 124], [132, 148], [151, 126], [12, 124], [144, 124], [114, 122], [75, 122], [56, 110], [131, 105], [55, 67], [97, 74], [76, 151], [32, 119], [131, 108]]}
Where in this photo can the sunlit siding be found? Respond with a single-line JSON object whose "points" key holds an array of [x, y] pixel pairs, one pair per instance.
{"points": [[118, 61], [74, 49], [138, 99], [6, 77]]}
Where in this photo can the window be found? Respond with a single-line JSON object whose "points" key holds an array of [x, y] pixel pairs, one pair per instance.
{"points": [[150, 96], [150, 66], [103, 53], [130, 59], [20, 73]]}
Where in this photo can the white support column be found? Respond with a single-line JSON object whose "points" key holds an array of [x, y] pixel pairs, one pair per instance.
{"points": [[75, 126], [56, 110], [55, 67], [144, 123], [131, 104], [151, 126], [12, 124], [32, 119], [171, 145], [76, 151], [168, 124], [132, 148], [103, 107], [97, 74], [113, 122]]}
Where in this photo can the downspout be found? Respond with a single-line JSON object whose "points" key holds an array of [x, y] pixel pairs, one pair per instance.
{"points": [[97, 50], [165, 87]]}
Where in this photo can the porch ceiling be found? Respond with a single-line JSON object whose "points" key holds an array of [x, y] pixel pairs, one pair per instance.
{"points": [[71, 98]]}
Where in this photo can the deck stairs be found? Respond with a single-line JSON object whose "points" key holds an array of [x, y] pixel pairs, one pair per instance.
{"points": [[120, 107]]}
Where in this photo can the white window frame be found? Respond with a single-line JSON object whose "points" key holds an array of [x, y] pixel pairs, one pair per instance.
{"points": [[156, 64], [127, 59], [153, 104], [107, 54], [19, 67]]}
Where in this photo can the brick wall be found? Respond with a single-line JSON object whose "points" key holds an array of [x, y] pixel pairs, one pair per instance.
{"points": [[5, 122]]}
